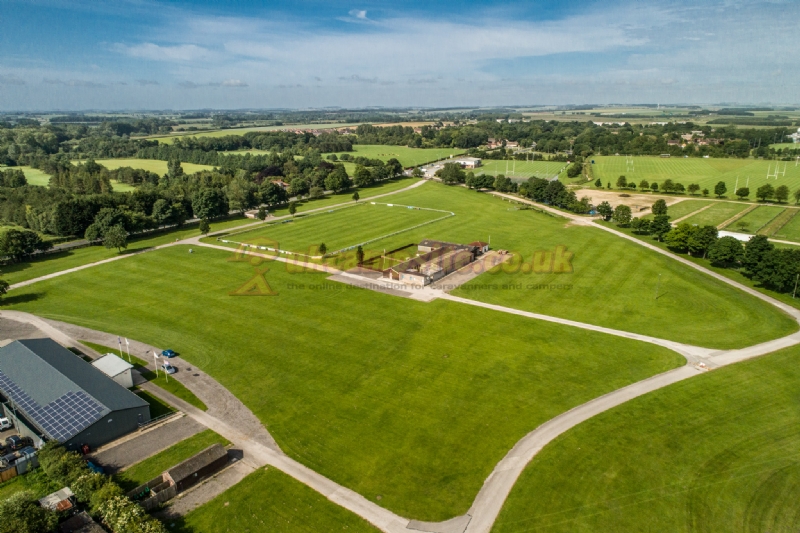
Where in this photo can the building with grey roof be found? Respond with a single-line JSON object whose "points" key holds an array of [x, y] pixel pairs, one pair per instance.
{"points": [[58, 396]]}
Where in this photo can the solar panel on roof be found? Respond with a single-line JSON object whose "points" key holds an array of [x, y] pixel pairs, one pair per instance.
{"points": [[61, 419]]}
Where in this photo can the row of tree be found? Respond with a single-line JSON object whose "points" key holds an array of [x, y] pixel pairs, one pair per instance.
{"points": [[774, 268]]}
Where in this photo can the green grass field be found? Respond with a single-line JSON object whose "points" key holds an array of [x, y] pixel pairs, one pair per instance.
{"points": [[613, 281], [785, 146], [269, 501], [151, 165], [756, 219], [56, 262], [683, 208], [717, 214], [414, 402], [408, 157], [35, 481], [718, 452], [146, 470], [338, 229], [34, 176], [705, 172], [170, 385], [522, 170], [790, 231]]}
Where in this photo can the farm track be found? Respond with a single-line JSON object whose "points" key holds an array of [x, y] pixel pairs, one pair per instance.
{"points": [[490, 499]]}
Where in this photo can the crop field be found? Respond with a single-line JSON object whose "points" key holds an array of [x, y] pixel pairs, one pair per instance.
{"points": [[408, 157], [389, 396], [717, 213], [791, 230], [717, 452], [756, 219], [338, 229], [705, 172], [522, 170], [146, 470], [269, 501]]}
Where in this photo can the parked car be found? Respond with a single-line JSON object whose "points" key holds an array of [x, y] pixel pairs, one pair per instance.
{"points": [[168, 368], [168, 354], [15, 442], [5, 423]]}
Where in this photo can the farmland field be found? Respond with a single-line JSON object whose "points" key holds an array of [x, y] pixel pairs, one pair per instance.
{"points": [[408, 157], [716, 214], [411, 401], [281, 505], [756, 219], [340, 228], [717, 452], [785, 146], [705, 172], [168, 139]]}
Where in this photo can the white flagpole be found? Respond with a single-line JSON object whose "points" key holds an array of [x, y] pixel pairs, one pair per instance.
{"points": [[155, 362], [128, 346]]}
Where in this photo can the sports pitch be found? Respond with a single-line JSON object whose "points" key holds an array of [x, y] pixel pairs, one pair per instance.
{"points": [[756, 219], [522, 170], [340, 228], [705, 172], [151, 165]]}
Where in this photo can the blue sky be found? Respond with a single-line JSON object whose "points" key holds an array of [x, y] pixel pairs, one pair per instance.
{"points": [[151, 54]]}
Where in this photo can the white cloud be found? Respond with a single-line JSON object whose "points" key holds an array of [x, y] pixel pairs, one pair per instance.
{"points": [[234, 83], [10, 80], [358, 13], [154, 52]]}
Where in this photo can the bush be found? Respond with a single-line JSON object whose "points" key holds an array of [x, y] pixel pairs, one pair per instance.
{"points": [[21, 513]]}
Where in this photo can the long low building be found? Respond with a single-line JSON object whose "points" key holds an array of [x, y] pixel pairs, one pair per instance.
{"points": [[52, 394], [436, 260]]}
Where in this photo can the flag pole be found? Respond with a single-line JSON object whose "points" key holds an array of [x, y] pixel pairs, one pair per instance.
{"points": [[128, 346]]}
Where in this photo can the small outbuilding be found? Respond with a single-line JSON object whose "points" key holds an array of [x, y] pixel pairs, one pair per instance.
{"points": [[195, 469], [116, 368], [60, 500]]}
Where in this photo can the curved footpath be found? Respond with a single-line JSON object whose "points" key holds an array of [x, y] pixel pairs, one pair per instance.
{"points": [[490, 499]]}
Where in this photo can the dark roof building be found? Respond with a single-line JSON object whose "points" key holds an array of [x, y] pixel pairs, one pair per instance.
{"points": [[196, 468], [64, 398]]}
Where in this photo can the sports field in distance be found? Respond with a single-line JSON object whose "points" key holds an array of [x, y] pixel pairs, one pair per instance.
{"points": [[340, 228], [705, 172], [408, 157], [34, 176], [522, 170], [410, 401], [717, 214], [269, 501], [613, 282], [717, 452], [756, 219]]}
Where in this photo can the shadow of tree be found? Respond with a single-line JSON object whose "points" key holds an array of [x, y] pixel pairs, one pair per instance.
{"points": [[21, 298]]}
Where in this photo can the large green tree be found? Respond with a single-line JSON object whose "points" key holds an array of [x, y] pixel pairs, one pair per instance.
{"points": [[659, 207], [622, 215], [21, 513], [720, 189]]}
